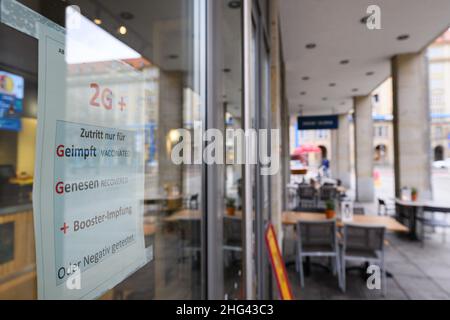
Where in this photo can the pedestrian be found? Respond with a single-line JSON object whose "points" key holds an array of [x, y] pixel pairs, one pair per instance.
{"points": [[325, 167]]}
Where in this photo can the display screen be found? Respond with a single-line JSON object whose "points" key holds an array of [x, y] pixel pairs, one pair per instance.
{"points": [[11, 101]]}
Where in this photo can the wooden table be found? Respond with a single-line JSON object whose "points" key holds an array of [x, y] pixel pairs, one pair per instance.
{"points": [[188, 214], [169, 203], [185, 214], [299, 171], [292, 217], [21, 181]]}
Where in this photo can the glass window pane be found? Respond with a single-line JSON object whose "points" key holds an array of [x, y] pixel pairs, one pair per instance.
{"points": [[232, 95], [152, 52]]}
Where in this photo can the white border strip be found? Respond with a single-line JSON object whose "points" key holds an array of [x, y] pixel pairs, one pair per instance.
{"points": [[23, 19]]}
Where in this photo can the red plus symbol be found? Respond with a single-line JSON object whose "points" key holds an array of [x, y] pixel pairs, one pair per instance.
{"points": [[122, 104], [64, 228]]}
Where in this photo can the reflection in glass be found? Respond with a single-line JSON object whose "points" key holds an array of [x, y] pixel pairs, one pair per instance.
{"points": [[158, 64], [232, 95], [163, 45]]}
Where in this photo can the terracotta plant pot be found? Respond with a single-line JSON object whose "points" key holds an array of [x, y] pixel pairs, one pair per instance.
{"points": [[231, 211], [414, 196], [330, 214]]}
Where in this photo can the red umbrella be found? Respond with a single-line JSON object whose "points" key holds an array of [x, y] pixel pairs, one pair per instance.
{"points": [[304, 149]]}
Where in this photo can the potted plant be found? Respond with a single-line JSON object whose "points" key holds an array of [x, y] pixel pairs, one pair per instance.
{"points": [[231, 208], [329, 209], [414, 194]]}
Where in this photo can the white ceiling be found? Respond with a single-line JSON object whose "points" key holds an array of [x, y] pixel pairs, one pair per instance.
{"points": [[336, 29]]}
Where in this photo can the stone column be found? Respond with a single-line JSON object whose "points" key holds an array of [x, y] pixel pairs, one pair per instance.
{"points": [[364, 148], [341, 151], [333, 153], [412, 145], [170, 118]]}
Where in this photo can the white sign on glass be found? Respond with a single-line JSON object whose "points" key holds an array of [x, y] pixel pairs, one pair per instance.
{"points": [[89, 181]]}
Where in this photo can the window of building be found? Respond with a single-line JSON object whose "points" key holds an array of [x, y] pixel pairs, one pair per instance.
{"points": [[322, 134], [376, 98], [438, 132]]}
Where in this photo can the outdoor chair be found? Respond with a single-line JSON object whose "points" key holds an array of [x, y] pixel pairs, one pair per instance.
{"points": [[232, 233], [317, 239], [290, 238], [189, 239], [232, 238], [307, 196], [327, 193], [363, 244], [385, 208], [191, 202], [428, 219]]}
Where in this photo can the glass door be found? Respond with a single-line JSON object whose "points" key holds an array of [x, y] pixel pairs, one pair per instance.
{"points": [[147, 55]]}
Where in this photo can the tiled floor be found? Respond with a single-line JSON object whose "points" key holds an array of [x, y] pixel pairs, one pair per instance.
{"points": [[418, 273]]}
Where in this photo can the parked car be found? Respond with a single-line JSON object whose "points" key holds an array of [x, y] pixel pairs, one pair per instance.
{"points": [[442, 164]]}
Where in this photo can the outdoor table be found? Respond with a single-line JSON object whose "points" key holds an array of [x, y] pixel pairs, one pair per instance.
{"points": [[392, 225], [169, 203], [188, 214], [415, 208], [292, 217]]}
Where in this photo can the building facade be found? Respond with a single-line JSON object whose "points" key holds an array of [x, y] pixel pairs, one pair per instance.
{"points": [[383, 132], [439, 74]]}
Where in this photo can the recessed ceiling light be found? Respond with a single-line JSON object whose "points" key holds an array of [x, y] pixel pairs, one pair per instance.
{"points": [[303, 93], [234, 4], [343, 104], [305, 78], [300, 106], [344, 61], [355, 90], [172, 56], [370, 73], [125, 15], [332, 84], [403, 37], [97, 17], [310, 46], [324, 98], [122, 30], [227, 70]]}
